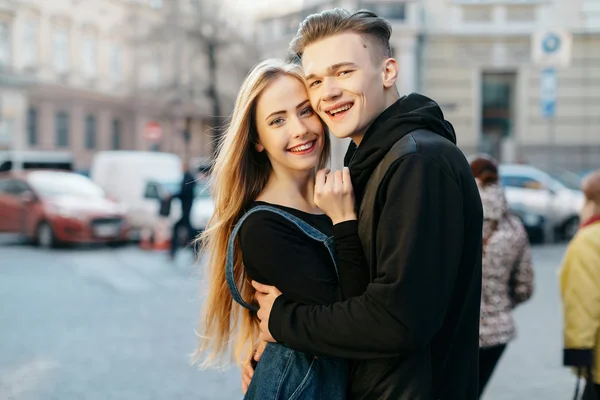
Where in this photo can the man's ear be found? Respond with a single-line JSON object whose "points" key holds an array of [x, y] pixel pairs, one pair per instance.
{"points": [[390, 72]]}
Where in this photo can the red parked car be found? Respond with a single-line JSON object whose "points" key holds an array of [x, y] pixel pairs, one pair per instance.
{"points": [[54, 207]]}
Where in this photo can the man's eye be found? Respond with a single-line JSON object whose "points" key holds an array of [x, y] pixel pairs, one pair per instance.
{"points": [[342, 73], [314, 83]]}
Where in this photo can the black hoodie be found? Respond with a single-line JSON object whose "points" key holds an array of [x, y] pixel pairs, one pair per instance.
{"points": [[415, 331]]}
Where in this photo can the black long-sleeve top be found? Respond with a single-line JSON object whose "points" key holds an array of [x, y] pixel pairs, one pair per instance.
{"points": [[276, 252]]}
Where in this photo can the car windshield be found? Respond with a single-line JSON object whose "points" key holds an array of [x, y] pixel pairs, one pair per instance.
{"points": [[201, 190], [568, 179], [50, 184]]}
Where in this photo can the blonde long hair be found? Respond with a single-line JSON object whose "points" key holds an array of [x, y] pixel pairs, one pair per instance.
{"points": [[239, 175]]}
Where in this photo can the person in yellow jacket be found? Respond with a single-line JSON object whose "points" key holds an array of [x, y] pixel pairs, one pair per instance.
{"points": [[580, 291]]}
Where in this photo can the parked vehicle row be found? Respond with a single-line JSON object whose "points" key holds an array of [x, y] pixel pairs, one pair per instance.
{"points": [[44, 200]]}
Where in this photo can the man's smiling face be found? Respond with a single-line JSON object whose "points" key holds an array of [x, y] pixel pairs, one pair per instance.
{"points": [[345, 80]]}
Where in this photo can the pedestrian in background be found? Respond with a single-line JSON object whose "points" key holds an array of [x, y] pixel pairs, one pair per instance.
{"points": [[186, 198], [580, 291], [507, 273]]}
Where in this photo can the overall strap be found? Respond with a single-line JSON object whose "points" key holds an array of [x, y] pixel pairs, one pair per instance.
{"points": [[304, 227]]}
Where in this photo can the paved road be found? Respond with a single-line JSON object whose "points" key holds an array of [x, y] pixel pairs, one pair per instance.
{"points": [[102, 324]]}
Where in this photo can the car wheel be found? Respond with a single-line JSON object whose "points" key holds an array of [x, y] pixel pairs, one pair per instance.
{"points": [[570, 228], [45, 236]]}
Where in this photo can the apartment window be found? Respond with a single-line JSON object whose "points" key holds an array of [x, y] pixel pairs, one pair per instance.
{"points": [[90, 132], [61, 50], [156, 4], [115, 63], [32, 126], [154, 72], [4, 44], [30, 44], [7, 127], [196, 6], [62, 129], [387, 10], [89, 57], [116, 134]]}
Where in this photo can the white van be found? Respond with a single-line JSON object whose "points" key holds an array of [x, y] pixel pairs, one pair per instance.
{"points": [[139, 179], [127, 176], [16, 160]]}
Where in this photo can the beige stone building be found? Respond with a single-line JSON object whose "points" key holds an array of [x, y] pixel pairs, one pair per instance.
{"points": [[85, 76], [475, 58]]}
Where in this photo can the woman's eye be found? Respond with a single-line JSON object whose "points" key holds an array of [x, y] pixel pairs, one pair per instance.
{"points": [[307, 111], [276, 121]]}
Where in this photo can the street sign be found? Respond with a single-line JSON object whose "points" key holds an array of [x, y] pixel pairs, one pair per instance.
{"points": [[552, 48], [548, 92], [153, 131]]}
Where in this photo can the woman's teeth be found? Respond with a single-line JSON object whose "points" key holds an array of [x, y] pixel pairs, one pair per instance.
{"points": [[303, 147]]}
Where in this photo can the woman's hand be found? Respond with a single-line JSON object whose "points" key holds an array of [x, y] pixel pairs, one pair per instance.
{"points": [[334, 195], [248, 370]]}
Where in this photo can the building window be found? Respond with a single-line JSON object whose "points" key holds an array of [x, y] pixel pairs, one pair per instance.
{"points": [[61, 50], [89, 57], [196, 6], [156, 4], [387, 10], [7, 127], [115, 63], [116, 134], [154, 72], [30, 44], [32, 125], [62, 129], [90, 132], [4, 44]]}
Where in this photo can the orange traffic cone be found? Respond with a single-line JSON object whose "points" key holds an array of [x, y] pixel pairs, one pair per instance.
{"points": [[146, 239], [162, 237]]}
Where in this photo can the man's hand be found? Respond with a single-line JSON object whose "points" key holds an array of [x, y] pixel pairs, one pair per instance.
{"points": [[265, 295], [334, 195], [248, 370]]}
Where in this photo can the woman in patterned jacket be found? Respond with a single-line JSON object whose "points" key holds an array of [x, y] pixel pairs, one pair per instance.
{"points": [[507, 271]]}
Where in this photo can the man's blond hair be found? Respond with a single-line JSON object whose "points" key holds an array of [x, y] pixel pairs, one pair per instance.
{"points": [[315, 27]]}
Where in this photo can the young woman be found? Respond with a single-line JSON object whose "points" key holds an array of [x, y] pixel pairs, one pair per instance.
{"points": [[269, 225], [507, 275]]}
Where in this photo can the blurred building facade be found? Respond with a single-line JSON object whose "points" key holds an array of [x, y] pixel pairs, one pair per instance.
{"points": [[474, 57], [85, 75]]}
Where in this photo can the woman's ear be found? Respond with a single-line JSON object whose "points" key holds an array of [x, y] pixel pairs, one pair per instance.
{"points": [[390, 72], [259, 147]]}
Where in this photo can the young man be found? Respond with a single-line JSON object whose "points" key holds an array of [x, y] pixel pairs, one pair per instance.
{"points": [[580, 290], [415, 331]]}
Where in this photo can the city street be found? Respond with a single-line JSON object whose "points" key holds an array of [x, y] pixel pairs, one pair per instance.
{"points": [[102, 324]]}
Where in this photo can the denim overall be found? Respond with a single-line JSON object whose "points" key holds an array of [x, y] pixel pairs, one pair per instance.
{"points": [[283, 373]]}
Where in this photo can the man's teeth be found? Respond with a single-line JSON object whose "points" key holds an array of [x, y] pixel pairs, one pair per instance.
{"points": [[340, 109], [303, 147]]}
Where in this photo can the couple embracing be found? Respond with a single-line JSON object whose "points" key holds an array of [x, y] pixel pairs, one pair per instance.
{"points": [[364, 283]]}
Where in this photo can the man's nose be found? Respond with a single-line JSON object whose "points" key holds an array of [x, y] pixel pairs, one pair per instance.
{"points": [[331, 90]]}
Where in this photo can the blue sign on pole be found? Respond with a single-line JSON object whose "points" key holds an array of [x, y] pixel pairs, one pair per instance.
{"points": [[548, 92]]}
